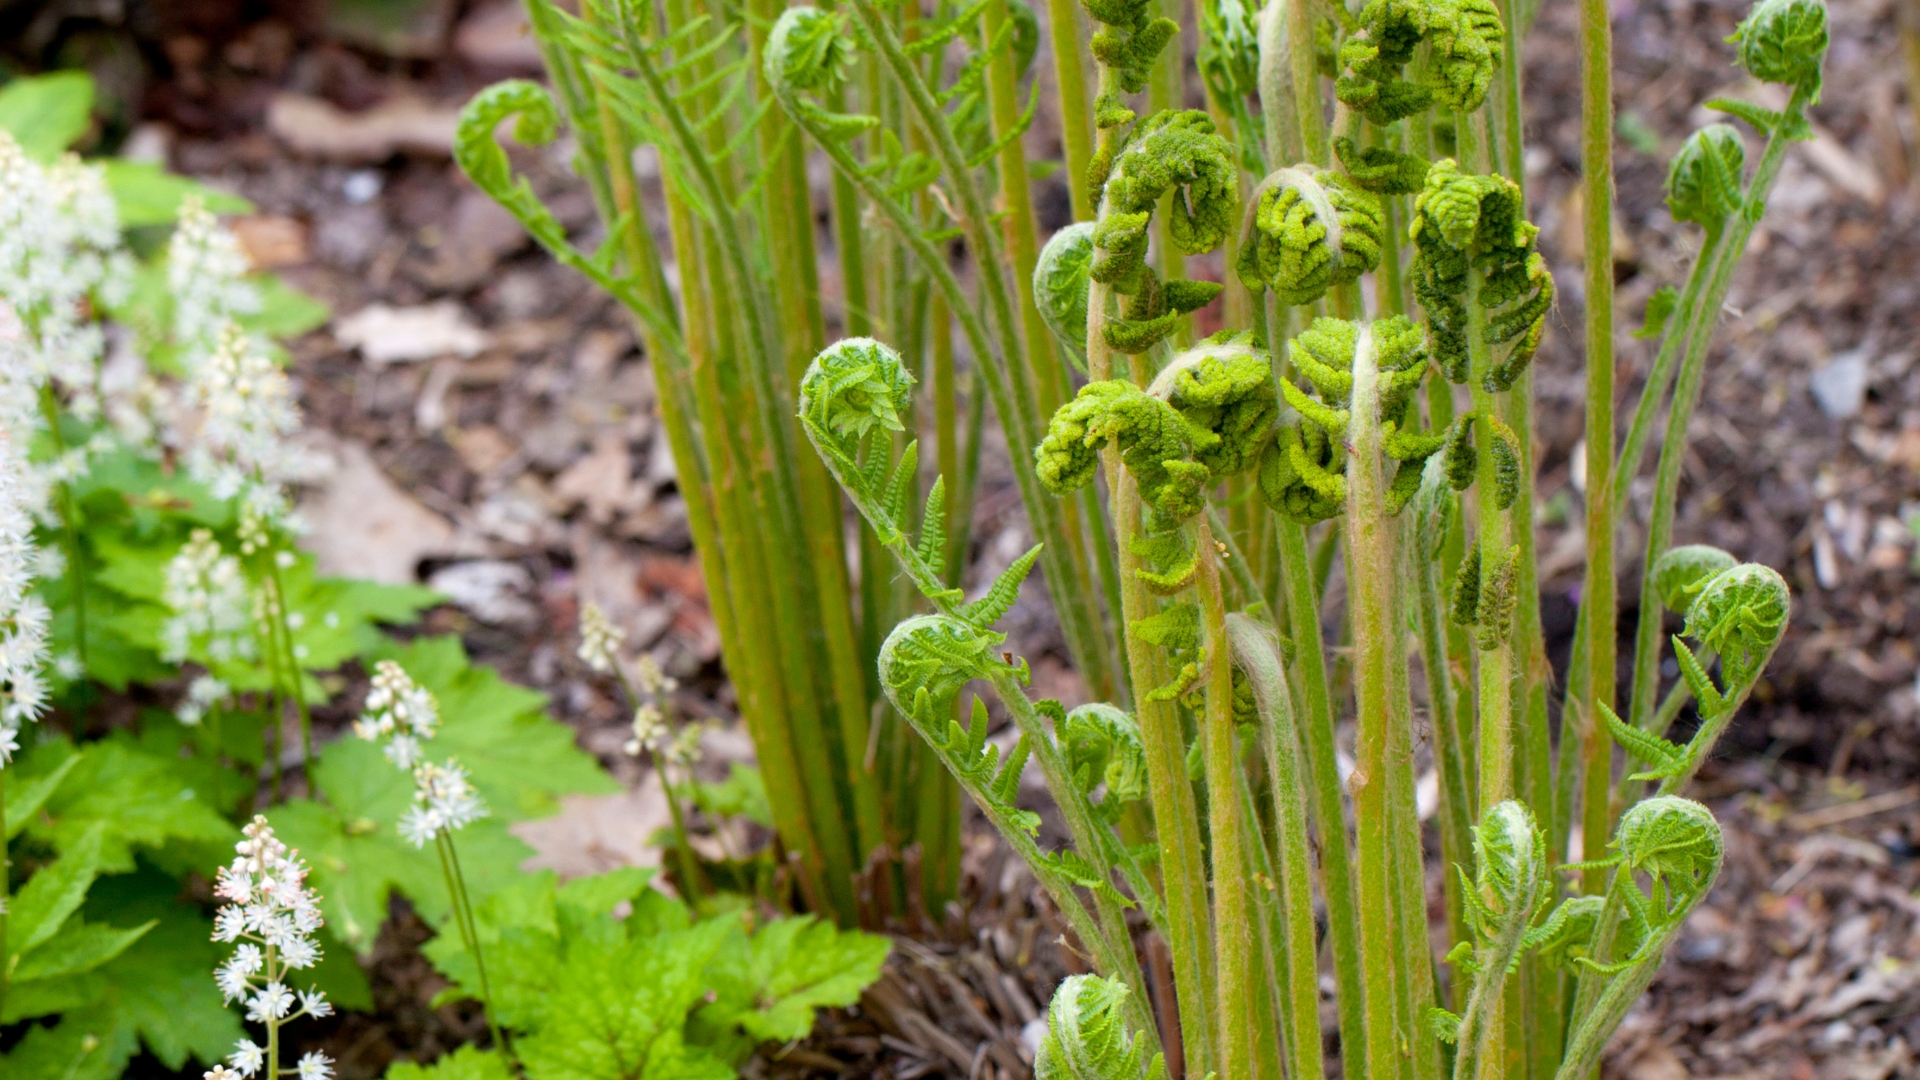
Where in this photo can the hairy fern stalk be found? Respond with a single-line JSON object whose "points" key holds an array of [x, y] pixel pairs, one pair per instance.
{"points": [[1369, 400]]}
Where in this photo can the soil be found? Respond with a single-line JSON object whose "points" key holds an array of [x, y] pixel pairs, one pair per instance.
{"points": [[538, 458]]}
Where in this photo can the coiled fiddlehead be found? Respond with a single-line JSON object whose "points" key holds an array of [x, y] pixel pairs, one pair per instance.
{"points": [[1309, 229], [1087, 1037], [1302, 472], [1155, 442], [1738, 611], [809, 51], [1678, 846], [1172, 151], [1784, 41], [536, 121], [1475, 246], [1703, 183], [1466, 42], [1060, 282], [1103, 746], [1506, 892], [1223, 388], [1205, 417], [1741, 613], [1680, 573]]}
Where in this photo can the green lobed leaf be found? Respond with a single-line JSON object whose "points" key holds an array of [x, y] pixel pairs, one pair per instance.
{"points": [[47, 113]]}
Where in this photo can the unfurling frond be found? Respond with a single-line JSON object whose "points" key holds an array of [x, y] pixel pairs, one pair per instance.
{"points": [[1704, 181], [856, 386], [1784, 41], [1103, 746], [1466, 42], [935, 653], [1741, 613], [1171, 151], [1087, 1039], [1223, 387], [1060, 285], [1381, 170], [1309, 229], [1680, 573], [1155, 441], [1475, 225], [809, 51]]}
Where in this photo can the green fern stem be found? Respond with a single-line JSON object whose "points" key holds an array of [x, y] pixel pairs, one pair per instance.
{"points": [[772, 469], [1254, 649], [1233, 949], [1175, 813], [1370, 573], [1323, 771], [1701, 321], [1450, 738], [1306, 82], [802, 334], [1597, 603], [1074, 581], [1076, 113], [1081, 515], [755, 667]]}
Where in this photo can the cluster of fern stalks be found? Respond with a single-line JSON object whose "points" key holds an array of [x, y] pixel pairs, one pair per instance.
{"points": [[1370, 404]]}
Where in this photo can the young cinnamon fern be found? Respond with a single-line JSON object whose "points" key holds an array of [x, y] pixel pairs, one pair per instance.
{"points": [[1369, 400]]}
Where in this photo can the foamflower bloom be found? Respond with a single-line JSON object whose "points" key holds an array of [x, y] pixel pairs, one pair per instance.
{"points": [[272, 914], [443, 801]]}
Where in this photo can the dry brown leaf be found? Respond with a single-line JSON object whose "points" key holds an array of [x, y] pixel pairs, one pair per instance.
{"points": [[270, 241], [363, 525], [401, 124]]}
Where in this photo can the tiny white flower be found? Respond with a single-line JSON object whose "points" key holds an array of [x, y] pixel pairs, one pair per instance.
{"points": [[299, 951], [220, 1072], [315, 1004], [272, 1002], [315, 1065], [246, 1057], [599, 639]]}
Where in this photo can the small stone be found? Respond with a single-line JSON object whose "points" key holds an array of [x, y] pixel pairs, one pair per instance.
{"points": [[1840, 385]]}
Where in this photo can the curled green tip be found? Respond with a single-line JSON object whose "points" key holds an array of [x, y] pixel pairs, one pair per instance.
{"points": [[855, 386], [1680, 573], [1742, 613], [1061, 279], [1309, 230], [1704, 181], [808, 49], [1674, 839], [1784, 41]]}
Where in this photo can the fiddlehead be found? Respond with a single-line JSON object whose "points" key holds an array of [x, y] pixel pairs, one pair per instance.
{"points": [[1223, 388], [1680, 574], [1309, 229], [1704, 181], [1087, 1037], [1678, 846], [1155, 442], [536, 121], [1507, 890], [1784, 41], [1176, 152], [1741, 613], [1302, 472], [1466, 43], [1060, 283], [1476, 248], [1103, 746]]}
